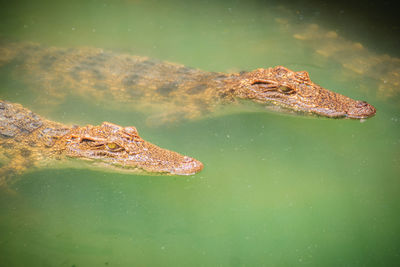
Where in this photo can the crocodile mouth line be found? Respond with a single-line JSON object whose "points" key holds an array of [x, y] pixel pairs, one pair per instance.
{"points": [[284, 108]]}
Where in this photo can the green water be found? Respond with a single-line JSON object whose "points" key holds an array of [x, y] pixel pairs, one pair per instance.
{"points": [[276, 190]]}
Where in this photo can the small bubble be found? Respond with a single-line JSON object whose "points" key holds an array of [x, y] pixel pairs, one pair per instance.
{"points": [[73, 28]]}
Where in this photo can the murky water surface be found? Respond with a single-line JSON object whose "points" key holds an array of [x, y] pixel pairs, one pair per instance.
{"points": [[276, 190]]}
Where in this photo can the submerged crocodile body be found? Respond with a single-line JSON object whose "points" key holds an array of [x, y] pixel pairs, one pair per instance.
{"points": [[172, 90], [27, 140]]}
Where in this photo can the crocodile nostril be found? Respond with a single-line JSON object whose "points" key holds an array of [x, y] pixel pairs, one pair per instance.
{"points": [[361, 104], [361, 109], [187, 159]]}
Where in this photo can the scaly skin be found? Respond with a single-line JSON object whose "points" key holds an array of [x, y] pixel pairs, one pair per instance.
{"points": [[172, 89], [27, 140], [295, 91]]}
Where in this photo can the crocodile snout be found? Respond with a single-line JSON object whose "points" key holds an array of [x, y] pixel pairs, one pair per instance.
{"points": [[361, 110], [188, 166]]}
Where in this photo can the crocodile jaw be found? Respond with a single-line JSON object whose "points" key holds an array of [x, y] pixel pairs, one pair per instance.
{"points": [[122, 147]]}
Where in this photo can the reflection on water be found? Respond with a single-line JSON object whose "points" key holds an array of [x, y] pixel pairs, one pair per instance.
{"points": [[276, 190], [357, 61]]}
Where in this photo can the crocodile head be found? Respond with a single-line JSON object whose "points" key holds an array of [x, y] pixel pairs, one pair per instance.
{"points": [[295, 91], [124, 148]]}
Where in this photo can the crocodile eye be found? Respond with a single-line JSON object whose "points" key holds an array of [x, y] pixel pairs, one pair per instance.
{"points": [[114, 147], [286, 90]]}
